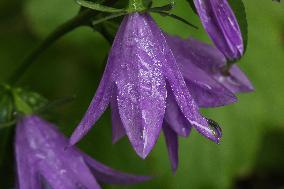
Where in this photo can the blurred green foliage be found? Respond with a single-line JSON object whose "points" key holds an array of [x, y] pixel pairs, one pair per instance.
{"points": [[74, 64]]}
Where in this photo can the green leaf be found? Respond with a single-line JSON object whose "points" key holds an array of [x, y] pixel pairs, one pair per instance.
{"points": [[98, 7], [106, 18], [20, 104], [240, 12], [148, 3], [175, 17], [167, 7], [191, 3], [55, 103]]}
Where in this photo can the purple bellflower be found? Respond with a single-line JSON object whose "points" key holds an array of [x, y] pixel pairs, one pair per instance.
{"points": [[140, 75], [222, 26], [201, 65], [44, 162]]}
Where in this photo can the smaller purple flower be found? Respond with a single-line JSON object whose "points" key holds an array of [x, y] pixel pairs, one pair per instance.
{"points": [[44, 162], [202, 67], [212, 62], [222, 26]]}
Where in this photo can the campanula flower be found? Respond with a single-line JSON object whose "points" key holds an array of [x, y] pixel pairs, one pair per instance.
{"points": [[43, 161], [222, 26], [141, 72], [202, 67]]}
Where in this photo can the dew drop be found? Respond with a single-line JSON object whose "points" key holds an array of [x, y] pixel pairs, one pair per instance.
{"points": [[215, 128]]}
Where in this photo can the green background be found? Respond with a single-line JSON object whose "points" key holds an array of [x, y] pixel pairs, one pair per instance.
{"points": [[253, 128]]}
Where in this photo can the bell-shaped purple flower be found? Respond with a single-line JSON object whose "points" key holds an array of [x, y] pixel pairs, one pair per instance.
{"points": [[140, 73], [201, 65], [44, 162], [222, 26]]}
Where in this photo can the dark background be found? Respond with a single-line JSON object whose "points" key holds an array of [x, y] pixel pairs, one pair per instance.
{"points": [[251, 154]]}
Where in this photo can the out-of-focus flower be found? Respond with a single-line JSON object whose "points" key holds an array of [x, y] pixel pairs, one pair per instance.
{"points": [[44, 162], [222, 26], [208, 59], [202, 67], [141, 72]]}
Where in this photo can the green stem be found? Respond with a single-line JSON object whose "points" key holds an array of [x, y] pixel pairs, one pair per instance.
{"points": [[136, 5], [225, 70]]}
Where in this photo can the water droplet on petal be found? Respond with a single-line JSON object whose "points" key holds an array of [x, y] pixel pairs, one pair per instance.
{"points": [[215, 128]]}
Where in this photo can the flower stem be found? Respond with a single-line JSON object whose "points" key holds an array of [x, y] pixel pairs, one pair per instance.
{"points": [[136, 5]]}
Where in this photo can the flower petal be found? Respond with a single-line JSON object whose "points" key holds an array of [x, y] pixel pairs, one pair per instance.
{"points": [[236, 81], [229, 25], [60, 168], [61, 179], [42, 155], [97, 107], [140, 83], [183, 98], [107, 175], [102, 97], [175, 118], [118, 130], [197, 52], [172, 145], [27, 177], [221, 24], [206, 91], [210, 60]]}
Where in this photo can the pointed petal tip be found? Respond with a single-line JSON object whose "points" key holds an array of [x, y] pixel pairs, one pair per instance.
{"points": [[174, 170], [218, 141], [230, 98], [174, 167], [143, 178], [80, 131], [108, 175], [115, 140], [214, 139], [211, 130], [144, 151], [142, 154], [249, 88], [73, 140]]}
